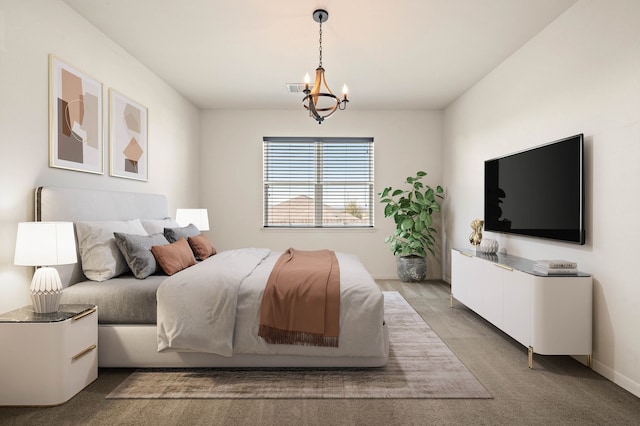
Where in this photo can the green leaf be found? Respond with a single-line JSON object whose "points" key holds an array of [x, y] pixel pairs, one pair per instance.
{"points": [[407, 224], [388, 210], [429, 194], [397, 192]]}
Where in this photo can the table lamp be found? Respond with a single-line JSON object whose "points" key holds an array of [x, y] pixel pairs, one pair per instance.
{"points": [[43, 244], [199, 217]]}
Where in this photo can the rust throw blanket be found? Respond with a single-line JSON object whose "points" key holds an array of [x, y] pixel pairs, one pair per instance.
{"points": [[301, 302]]}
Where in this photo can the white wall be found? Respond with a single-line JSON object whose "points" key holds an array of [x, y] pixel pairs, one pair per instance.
{"points": [[32, 30], [580, 75], [231, 176]]}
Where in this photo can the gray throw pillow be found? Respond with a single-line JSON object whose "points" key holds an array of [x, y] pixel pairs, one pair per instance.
{"points": [[136, 250], [174, 234]]}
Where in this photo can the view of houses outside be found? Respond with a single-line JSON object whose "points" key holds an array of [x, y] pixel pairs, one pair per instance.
{"points": [[300, 211]]}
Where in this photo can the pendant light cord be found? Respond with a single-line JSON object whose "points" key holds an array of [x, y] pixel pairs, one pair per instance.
{"points": [[320, 49]]}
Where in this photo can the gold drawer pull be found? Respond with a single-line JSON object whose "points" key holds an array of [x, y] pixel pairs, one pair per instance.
{"points": [[83, 314], [465, 254], [83, 353], [508, 268]]}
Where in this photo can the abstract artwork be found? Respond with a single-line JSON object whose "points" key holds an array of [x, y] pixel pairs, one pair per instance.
{"points": [[75, 119], [128, 131]]}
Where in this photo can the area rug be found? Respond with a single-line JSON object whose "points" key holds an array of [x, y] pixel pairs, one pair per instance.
{"points": [[420, 366]]}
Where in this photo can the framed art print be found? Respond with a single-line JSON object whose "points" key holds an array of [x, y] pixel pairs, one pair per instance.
{"points": [[128, 137], [75, 119]]}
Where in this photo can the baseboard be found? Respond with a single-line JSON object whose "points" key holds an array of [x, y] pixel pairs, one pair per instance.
{"points": [[386, 277], [395, 278], [617, 378]]}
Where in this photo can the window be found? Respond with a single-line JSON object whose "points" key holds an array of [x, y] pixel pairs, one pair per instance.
{"points": [[318, 182]]}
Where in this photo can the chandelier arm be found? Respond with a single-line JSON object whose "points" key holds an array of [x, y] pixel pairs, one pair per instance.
{"points": [[312, 108], [321, 109], [324, 83]]}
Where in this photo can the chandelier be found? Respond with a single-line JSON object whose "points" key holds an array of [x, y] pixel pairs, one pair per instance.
{"points": [[319, 100]]}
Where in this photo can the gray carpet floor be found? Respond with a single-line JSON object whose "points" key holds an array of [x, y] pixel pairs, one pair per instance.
{"points": [[558, 391]]}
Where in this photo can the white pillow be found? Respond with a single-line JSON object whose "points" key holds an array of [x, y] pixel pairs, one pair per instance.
{"points": [[101, 258], [156, 226]]}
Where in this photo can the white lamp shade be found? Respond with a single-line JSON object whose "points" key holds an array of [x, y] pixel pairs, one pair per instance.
{"points": [[199, 217], [45, 244]]}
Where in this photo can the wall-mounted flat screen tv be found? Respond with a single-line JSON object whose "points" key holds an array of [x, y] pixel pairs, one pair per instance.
{"points": [[538, 192]]}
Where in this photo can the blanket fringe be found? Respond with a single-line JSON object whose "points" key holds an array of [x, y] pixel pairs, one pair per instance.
{"points": [[284, 337]]}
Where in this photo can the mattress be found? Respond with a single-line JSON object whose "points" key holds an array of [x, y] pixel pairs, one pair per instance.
{"points": [[121, 300]]}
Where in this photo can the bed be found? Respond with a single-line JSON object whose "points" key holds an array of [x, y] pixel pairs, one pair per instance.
{"points": [[131, 309]]}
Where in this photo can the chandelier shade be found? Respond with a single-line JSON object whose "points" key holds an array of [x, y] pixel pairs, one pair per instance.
{"points": [[320, 101]]}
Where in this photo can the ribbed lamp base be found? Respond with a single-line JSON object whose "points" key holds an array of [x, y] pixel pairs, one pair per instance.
{"points": [[46, 290]]}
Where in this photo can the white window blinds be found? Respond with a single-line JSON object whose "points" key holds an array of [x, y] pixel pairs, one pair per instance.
{"points": [[318, 182]]}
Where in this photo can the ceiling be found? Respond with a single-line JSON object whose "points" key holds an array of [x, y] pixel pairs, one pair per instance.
{"points": [[240, 54]]}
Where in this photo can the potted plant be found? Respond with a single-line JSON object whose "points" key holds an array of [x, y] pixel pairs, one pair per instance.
{"points": [[412, 210]]}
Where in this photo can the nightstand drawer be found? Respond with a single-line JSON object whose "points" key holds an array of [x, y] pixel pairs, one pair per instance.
{"points": [[82, 369], [82, 332]]}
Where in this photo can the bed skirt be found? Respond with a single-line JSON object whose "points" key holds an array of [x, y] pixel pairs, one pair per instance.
{"points": [[135, 346]]}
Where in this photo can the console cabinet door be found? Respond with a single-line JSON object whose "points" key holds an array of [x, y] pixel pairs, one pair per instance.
{"points": [[477, 284], [561, 315], [462, 273], [492, 278], [517, 306]]}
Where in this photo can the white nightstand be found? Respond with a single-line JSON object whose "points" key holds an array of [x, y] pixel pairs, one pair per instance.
{"points": [[47, 358]]}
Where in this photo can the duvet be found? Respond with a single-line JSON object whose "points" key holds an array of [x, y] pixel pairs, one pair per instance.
{"points": [[214, 307]]}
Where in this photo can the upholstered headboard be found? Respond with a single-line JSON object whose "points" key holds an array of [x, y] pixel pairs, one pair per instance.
{"points": [[73, 204]]}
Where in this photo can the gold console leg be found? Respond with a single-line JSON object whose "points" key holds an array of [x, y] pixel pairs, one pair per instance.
{"points": [[590, 360], [530, 357]]}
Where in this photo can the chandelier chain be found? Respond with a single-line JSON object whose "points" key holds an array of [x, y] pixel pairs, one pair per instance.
{"points": [[320, 48]]}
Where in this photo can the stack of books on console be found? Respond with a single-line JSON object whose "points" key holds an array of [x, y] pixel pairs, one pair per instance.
{"points": [[555, 267]]}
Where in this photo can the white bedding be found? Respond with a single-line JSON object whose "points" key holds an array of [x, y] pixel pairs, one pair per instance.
{"points": [[214, 307]]}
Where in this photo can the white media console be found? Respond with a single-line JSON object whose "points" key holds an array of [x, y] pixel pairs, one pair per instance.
{"points": [[551, 315]]}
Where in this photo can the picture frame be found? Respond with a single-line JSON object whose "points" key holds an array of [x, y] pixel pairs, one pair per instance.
{"points": [[75, 119], [128, 137]]}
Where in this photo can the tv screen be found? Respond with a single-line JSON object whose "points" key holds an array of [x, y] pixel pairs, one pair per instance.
{"points": [[538, 192]]}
